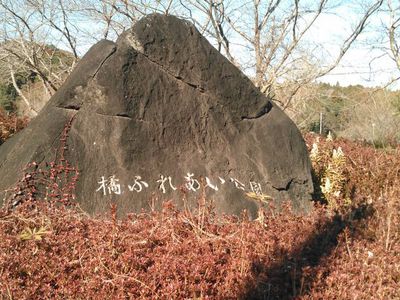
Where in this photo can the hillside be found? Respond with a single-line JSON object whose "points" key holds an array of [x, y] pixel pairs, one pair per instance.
{"points": [[51, 64], [354, 112]]}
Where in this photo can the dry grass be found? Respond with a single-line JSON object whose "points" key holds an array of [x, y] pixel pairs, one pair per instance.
{"points": [[347, 251], [10, 124]]}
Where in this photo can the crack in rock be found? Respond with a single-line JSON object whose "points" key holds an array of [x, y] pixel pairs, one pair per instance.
{"points": [[123, 115], [113, 50], [140, 50], [71, 107], [119, 115], [177, 77], [286, 188], [264, 110]]}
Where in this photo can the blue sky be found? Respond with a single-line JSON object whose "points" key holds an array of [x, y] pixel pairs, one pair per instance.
{"points": [[367, 62]]}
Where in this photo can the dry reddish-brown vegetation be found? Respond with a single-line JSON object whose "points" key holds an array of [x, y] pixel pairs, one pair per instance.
{"points": [[10, 124], [350, 252]]}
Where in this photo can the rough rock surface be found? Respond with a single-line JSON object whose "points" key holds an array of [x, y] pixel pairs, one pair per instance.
{"points": [[161, 103]]}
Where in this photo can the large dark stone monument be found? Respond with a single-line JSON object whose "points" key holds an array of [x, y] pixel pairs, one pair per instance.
{"points": [[161, 110]]}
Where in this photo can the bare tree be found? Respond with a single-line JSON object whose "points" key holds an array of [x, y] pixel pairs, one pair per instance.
{"points": [[30, 28], [394, 31], [272, 34], [267, 39], [115, 16]]}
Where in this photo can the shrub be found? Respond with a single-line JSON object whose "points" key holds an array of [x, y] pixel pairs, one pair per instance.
{"points": [[10, 124], [350, 252], [330, 164]]}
